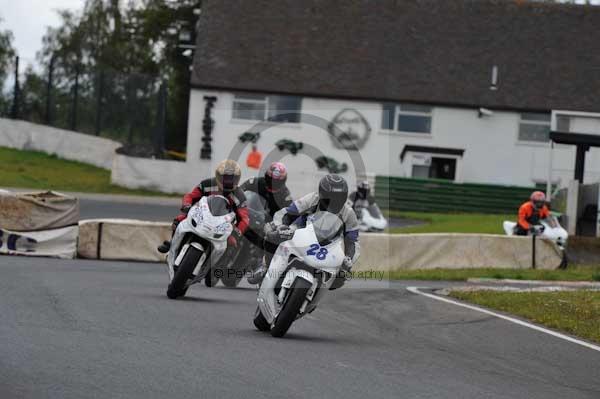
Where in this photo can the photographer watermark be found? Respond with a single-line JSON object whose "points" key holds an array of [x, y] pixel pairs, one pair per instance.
{"points": [[363, 275]]}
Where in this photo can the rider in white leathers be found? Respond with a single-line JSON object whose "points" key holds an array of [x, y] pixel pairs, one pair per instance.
{"points": [[331, 197]]}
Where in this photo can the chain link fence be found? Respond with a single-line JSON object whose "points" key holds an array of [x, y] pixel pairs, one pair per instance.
{"points": [[130, 108]]}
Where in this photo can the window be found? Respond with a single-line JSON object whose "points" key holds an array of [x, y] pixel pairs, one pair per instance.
{"points": [[534, 127], [408, 118], [438, 168], [258, 107], [563, 123]]}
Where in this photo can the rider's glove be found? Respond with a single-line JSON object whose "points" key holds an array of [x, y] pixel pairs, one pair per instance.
{"points": [[286, 232], [234, 237], [186, 208], [270, 227]]}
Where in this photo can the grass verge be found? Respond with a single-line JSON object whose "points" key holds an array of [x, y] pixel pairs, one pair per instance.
{"points": [[453, 222], [575, 312], [572, 273], [36, 170]]}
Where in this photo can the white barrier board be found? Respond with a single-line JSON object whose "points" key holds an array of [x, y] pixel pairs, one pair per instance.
{"points": [[58, 243]]}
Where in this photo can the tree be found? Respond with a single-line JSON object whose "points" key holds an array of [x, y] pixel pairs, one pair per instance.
{"points": [[137, 45], [7, 56]]}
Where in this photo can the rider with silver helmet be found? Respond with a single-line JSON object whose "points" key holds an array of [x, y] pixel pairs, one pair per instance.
{"points": [[331, 197]]}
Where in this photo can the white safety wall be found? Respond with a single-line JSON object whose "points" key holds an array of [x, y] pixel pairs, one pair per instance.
{"points": [[65, 144]]}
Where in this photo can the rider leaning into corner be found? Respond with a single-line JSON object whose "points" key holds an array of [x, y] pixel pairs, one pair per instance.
{"points": [[225, 183], [531, 213], [272, 187], [331, 197]]}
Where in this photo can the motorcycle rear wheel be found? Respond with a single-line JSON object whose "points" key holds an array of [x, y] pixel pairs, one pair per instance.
{"points": [[291, 307], [185, 271]]}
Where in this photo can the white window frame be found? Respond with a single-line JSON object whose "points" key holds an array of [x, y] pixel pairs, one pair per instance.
{"points": [[522, 121], [237, 100], [398, 112]]}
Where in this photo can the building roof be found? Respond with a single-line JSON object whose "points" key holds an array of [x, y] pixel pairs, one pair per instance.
{"points": [[423, 51]]}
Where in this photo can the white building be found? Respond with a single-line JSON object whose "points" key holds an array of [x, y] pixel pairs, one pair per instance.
{"points": [[456, 89]]}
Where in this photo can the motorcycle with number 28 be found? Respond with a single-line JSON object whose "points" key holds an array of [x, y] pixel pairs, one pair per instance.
{"points": [[302, 270]]}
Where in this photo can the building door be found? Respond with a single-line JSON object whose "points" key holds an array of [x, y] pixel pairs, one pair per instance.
{"points": [[442, 168]]}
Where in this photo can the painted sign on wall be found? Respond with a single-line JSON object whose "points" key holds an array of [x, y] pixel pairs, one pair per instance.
{"points": [[349, 129]]}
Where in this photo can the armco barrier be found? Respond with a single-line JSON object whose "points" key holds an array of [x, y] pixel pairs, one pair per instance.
{"points": [[122, 239]]}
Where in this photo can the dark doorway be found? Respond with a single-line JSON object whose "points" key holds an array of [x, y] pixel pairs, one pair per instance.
{"points": [[442, 168]]}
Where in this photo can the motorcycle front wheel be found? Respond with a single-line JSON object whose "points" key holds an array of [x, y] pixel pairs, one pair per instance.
{"points": [[291, 307], [260, 322], [185, 271]]}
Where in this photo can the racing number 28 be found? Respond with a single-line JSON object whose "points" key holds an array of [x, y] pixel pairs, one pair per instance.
{"points": [[317, 251]]}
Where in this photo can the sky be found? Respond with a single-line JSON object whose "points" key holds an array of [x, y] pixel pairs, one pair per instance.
{"points": [[28, 20]]}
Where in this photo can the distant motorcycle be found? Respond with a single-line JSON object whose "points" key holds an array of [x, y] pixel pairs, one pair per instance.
{"points": [[301, 272], [198, 244], [371, 219], [249, 253], [549, 229]]}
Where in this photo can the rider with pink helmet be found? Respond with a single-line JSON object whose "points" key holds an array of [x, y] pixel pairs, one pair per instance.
{"points": [[271, 187]]}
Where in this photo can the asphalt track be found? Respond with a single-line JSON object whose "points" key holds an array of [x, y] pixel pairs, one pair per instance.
{"points": [[160, 210], [91, 329]]}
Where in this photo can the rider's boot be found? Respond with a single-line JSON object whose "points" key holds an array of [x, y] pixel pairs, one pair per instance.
{"points": [[259, 274], [164, 247]]}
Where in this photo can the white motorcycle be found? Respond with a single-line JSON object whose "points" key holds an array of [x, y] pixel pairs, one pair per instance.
{"points": [[549, 229], [199, 242], [302, 270], [371, 219]]}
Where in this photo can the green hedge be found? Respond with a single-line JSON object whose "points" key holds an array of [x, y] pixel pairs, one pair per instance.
{"points": [[431, 195]]}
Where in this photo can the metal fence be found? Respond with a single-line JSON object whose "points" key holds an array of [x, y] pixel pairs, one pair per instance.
{"points": [[130, 108], [430, 195]]}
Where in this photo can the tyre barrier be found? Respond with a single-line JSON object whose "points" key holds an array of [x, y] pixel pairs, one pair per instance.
{"points": [[38, 224], [124, 239], [55, 243]]}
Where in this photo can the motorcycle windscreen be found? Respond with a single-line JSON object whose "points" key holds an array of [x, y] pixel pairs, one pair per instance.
{"points": [[327, 226], [254, 201], [218, 205]]}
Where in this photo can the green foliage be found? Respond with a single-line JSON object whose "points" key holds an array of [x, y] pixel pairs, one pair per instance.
{"points": [[136, 46], [576, 312], [7, 54]]}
